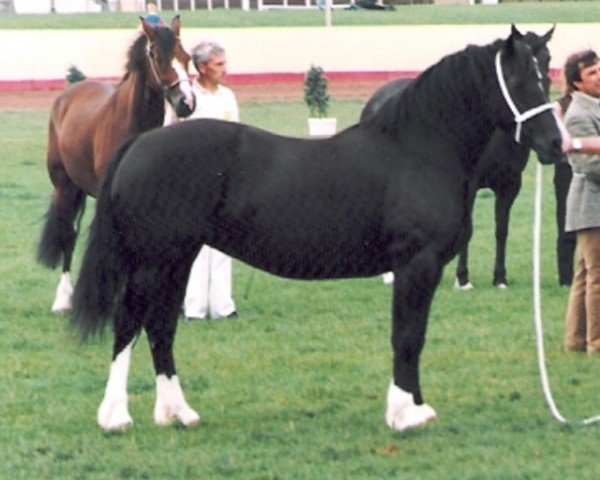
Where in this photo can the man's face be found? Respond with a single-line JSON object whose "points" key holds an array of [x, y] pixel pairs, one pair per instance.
{"points": [[590, 80], [215, 70]]}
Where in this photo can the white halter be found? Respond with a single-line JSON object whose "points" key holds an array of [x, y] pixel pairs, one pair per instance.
{"points": [[520, 118]]}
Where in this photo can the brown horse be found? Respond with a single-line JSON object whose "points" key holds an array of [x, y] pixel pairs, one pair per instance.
{"points": [[90, 119]]}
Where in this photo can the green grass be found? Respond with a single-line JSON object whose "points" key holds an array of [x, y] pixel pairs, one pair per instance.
{"points": [[295, 388], [504, 13]]}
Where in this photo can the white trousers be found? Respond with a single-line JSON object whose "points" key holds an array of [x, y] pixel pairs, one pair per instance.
{"points": [[209, 286]]}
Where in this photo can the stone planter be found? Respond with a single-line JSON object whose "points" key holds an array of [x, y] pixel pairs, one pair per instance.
{"points": [[322, 127]]}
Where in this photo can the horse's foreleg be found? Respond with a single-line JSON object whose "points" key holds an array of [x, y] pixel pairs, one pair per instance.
{"points": [[414, 287]]}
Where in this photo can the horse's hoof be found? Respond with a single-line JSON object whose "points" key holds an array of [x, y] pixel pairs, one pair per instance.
{"points": [[403, 413], [186, 416], [388, 278], [114, 417], [61, 310], [170, 403], [502, 286], [466, 287], [192, 422]]}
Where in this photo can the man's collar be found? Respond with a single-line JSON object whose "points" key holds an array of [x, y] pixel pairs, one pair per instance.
{"points": [[587, 99], [206, 90]]}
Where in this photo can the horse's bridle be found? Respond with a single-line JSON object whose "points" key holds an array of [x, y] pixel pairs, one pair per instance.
{"points": [[165, 88], [520, 118]]}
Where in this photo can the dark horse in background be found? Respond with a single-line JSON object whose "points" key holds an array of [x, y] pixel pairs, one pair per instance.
{"points": [[499, 168], [392, 193], [90, 119]]}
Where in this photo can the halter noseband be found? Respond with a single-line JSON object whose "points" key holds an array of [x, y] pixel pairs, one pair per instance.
{"points": [[520, 118]]}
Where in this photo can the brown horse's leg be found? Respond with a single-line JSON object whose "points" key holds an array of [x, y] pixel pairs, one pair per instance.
{"points": [[59, 233]]}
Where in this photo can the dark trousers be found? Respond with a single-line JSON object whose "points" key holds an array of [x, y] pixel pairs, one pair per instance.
{"points": [[565, 241]]}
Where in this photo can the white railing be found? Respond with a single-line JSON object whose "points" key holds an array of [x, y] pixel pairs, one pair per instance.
{"points": [[285, 4], [209, 4]]}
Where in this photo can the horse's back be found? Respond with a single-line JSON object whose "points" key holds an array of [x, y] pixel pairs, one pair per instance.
{"points": [[294, 207], [81, 100]]}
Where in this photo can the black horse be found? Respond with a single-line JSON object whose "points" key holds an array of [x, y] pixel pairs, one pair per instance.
{"points": [[500, 166], [392, 193]]}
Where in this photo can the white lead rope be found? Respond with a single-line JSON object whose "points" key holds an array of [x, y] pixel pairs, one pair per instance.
{"points": [[537, 304]]}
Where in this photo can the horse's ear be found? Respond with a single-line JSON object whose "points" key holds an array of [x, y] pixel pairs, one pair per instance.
{"points": [[176, 25], [548, 35], [148, 29], [514, 31], [509, 44]]}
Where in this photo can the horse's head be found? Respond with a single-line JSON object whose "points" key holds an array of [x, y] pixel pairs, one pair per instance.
{"points": [[541, 52], [169, 64], [521, 102]]}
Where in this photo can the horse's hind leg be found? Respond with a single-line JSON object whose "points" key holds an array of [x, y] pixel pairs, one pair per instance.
{"points": [[113, 413], [59, 233], [414, 287], [504, 203], [160, 326], [462, 270]]}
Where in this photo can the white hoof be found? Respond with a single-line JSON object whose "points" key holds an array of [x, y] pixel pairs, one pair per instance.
{"points": [[466, 287], [388, 278], [402, 413], [170, 403], [502, 286], [64, 293], [114, 416]]}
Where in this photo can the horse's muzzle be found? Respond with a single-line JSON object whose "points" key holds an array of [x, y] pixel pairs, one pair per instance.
{"points": [[550, 152], [184, 107]]}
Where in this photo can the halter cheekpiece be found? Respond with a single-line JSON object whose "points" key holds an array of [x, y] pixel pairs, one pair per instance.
{"points": [[520, 118], [165, 88]]}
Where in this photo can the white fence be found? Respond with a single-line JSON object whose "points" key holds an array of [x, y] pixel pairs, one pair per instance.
{"points": [[193, 4], [93, 6], [59, 6]]}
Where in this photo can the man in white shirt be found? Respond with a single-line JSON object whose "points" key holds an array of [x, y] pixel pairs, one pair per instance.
{"points": [[209, 291]]}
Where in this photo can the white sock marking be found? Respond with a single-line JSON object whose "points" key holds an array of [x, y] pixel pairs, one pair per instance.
{"points": [[170, 403], [113, 413], [403, 413], [64, 292]]}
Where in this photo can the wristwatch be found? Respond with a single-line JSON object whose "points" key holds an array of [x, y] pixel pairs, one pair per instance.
{"points": [[577, 145]]}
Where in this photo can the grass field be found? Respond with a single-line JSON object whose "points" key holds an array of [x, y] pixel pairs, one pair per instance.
{"points": [[295, 388], [504, 13]]}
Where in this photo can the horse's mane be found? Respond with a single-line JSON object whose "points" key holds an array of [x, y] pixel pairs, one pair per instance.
{"points": [[453, 85], [136, 56], [148, 104]]}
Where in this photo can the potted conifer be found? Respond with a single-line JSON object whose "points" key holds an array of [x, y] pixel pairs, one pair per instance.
{"points": [[74, 75], [317, 99]]}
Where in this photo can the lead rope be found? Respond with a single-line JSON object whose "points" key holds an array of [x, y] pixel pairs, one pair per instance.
{"points": [[537, 303]]}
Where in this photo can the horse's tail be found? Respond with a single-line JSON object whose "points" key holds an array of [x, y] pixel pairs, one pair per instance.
{"points": [[102, 273]]}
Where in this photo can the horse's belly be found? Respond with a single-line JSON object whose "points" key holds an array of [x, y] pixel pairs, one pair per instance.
{"points": [[305, 252]]}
